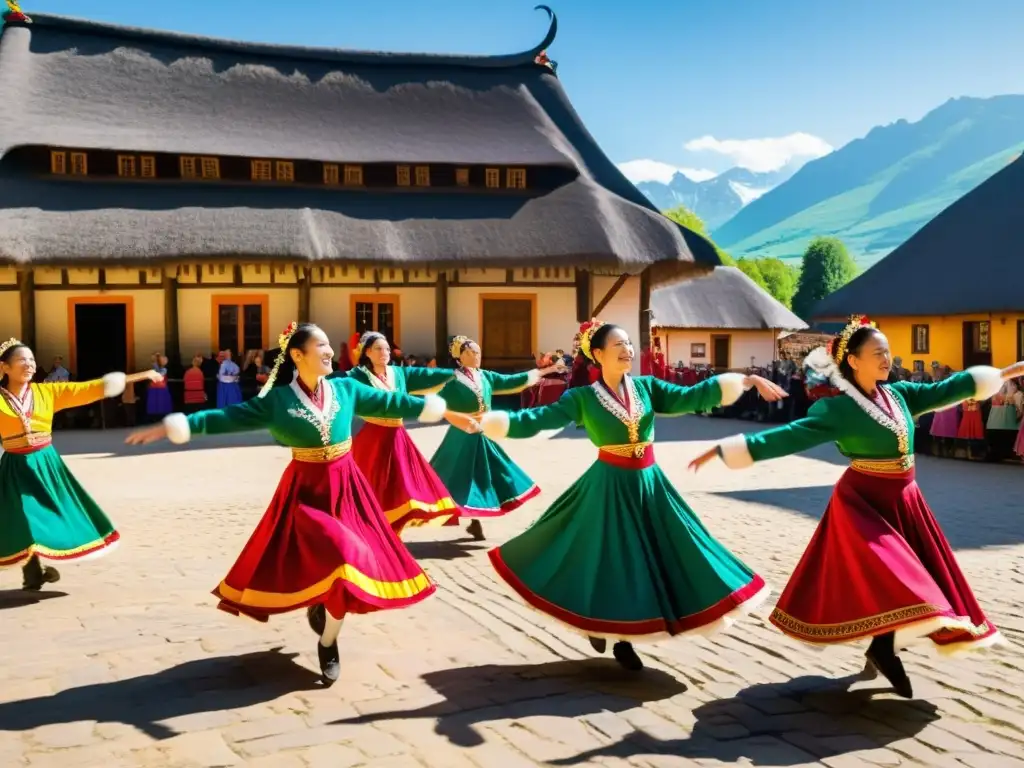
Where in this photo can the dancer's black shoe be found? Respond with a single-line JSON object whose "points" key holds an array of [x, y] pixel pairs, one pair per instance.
{"points": [[330, 663], [882, 656], [316, 615], [626, 656], [34, 575], [476, 530], [599, 644]]}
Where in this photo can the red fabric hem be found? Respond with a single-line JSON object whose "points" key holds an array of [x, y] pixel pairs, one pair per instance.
{"points": [[21, 557], [628, 462], [626, 628], [356, 601], [504, 509]]}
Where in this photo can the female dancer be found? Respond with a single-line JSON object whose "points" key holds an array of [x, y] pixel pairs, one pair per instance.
{"points": [[620, 555], [228, 390], [45, 512], [878, 565], [158, 396], [323, 541], [404, 483], [482, 479]]}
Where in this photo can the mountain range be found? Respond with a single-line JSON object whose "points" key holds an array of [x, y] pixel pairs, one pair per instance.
{"points": [[875, 192]]}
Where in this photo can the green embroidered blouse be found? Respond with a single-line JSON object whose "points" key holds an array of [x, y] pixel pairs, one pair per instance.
{"points": [[412, 380], [470, 391]]}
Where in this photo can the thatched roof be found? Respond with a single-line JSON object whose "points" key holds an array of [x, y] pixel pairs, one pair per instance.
{"points": [[73, 83], [726, 299], [965, 260]]}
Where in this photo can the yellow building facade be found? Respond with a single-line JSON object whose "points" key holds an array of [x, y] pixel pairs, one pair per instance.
{"points": [[957, 341]]}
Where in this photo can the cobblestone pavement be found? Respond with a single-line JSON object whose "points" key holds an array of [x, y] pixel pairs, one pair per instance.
{"points": [[133, 666]]}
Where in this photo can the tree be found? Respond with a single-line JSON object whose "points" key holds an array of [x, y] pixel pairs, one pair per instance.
{"points": [[826, 268], [780, 279], [751, 268], [685, 217]]}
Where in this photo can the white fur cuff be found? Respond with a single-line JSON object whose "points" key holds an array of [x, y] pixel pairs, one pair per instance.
{"points": [[114, 384], [987, 381], [533, 377], [495, 424], [178, 430], [434, 408], [735, 453], [732, 387]]}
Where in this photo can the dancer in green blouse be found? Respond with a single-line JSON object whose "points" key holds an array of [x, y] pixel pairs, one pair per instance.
{"points": [[620, 555], [480, 476]]}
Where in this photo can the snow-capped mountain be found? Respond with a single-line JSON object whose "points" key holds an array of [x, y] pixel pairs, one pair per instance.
{"points": [[718, 199]]}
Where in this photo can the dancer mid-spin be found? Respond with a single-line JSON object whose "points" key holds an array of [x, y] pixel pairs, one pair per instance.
{"points": [[878, 564], [481, 477], [620, 555], [323, 542], [44, 512]]}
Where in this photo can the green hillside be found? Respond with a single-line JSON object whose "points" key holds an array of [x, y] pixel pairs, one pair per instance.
{"points": [[877, 191]]}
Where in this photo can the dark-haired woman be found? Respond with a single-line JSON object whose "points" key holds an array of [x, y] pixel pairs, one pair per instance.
{"points": [[480, 476], [323, 542], [878, 564], [408, 489], [620, 555], [44, 512]]}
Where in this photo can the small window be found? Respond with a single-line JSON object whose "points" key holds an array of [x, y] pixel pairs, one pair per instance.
{"points": [[58, 161], [210, 167], [515, 178], [404, 179], [284, 170], [126, 165], [147, 167], [331, 174], [422, 176], [462, 177], [187, 167], [261, 170], [79, 164], [920, 341], [698, 351], [492, 178], [353, 175]]}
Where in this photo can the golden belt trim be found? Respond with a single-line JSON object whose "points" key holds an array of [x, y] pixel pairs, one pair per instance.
{"points": [[394, 423], [628, 451], [884, 466], [322, 454], [27, 443]]}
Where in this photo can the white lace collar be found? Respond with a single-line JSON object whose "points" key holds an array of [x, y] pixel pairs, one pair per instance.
{"points": [[474, 380], [896, 423], [612, 404], [388, 384], [321, 419]]}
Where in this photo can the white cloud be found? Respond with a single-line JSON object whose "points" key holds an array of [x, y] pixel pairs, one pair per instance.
{"points": [[763, 155], [654, 170]]}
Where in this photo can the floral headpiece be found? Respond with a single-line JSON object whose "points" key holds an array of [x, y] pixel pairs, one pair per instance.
{"points": [[587, 331], [367, 338], [11, 342], [282, 342], [837, 348], [455, 346], [825, 361]]}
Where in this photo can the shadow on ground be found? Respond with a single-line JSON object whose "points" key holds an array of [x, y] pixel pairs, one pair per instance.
{"points": [[19, 598], [477, 695], [445, 550], [781, 724], [204, 685]]}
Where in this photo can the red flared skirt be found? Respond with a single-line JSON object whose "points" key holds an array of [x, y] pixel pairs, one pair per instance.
{"points": [[971, 426], [406, 486], [323, 539], [879, 563]]}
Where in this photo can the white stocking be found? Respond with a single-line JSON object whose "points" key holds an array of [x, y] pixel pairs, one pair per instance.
{"points": [[332, 627]]}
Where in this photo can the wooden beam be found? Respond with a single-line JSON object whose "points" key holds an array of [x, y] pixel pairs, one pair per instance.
{"points": [[619, 282], [645, 309], [27, 289], [582, 295], [172, 339], [305, 285], [441, 318]]}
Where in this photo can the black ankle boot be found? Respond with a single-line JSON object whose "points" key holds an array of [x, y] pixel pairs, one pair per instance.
{"points": [[882, 655], [34, 575], [626, 656], [599, 644], [476, 530], [330, 663], [316, 615]]}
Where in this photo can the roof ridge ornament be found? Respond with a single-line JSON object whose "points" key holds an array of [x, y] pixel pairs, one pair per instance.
{"points": [[14, 14]]}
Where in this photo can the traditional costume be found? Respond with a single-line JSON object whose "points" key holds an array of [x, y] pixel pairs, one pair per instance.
{"points": [[158, 396], [44, 511], [479, 475], [408, 489], [229, 391], [878, 562], [620, 554], [324, 538]]}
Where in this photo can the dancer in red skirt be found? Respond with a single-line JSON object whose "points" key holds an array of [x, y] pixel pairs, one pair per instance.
{"points": [[878, 565], [408, 489], [323, 542]]}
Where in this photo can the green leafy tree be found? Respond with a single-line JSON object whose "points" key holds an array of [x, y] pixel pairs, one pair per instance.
{"points": [[752, 269], [780, 279], [685, 217], [827, 267]]}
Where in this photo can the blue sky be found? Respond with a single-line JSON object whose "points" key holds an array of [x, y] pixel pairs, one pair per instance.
{"points": [[748, 82]]}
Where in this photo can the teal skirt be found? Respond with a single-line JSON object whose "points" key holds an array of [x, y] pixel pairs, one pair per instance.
{"points": [[480, 476], [45, 512], [621, 555]]}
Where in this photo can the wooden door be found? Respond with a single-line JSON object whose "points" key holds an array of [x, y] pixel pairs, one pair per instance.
{"points": [[506, 334], [720, 353], [977, 344]]}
